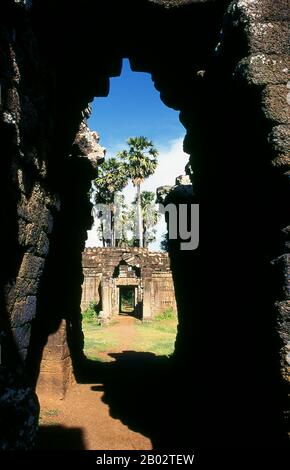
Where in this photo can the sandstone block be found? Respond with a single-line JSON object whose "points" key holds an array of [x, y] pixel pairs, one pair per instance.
{"points": [[21, 336], [23, 311], [262, 69], [275, 106]]}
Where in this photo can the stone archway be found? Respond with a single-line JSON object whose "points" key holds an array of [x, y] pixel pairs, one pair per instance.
{"points": [[231, 91]]}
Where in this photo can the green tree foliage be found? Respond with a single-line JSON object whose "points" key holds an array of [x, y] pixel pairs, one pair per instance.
{"points": [[150, 217], [140, 161], [124, 222], [112, 178]]}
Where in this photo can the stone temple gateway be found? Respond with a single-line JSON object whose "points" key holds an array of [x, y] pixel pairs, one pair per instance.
{"points": [[113, 273]]}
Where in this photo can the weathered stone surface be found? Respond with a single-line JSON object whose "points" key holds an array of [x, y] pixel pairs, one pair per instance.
{"points": [[42, 215], [36, 238], [19, 414], [275, 103], [183, 180], [268, 38], [162, 192], [21, 335], [279, 138], [283, 263], [56, 367], [34, 211], [265, 10], [42, 246], [263, 69], [24, 311], [283, 328], [25, 286], [31, 267], [32, 233], [183, 187], [178, 3], [87, 144]]}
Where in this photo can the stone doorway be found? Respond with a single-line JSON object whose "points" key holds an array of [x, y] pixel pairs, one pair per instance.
{"points": [[127, 300]]}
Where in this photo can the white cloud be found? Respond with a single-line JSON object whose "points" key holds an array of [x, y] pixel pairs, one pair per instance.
{"points": [[171, 163]]}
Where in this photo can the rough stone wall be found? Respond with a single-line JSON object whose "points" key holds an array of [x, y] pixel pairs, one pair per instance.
{"points": [[266, 71], [24, 187], [241, 179], [33, 201], [26, 215], [90, 288], [266, 68], [162, 293], [106, 260], [178, 3]]}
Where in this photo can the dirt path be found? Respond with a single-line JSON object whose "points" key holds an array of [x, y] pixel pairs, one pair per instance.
{"points": [[83, 421], [123, 329]]}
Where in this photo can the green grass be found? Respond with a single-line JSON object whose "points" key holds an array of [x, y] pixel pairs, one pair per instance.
{"points": [[167, 315], [157, 336], [45, 416], [52, 412], [90, 314], [98, 339]]}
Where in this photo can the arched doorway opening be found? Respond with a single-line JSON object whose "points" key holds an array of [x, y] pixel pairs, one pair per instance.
{"points": [[226, 89]]}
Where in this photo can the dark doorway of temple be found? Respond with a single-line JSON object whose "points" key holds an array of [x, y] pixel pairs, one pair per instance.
{"points": [[127, 300]]}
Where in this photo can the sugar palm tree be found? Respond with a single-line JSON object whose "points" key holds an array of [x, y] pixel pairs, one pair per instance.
{"points": [[112, 178], [124, 223], [149, 216], [140, 162]]}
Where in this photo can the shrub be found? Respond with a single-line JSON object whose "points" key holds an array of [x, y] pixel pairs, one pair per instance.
{"points": [[90, 314], [168, 314]]}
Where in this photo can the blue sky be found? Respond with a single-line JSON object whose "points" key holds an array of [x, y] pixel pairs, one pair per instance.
{"points": [[133, 108]]}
